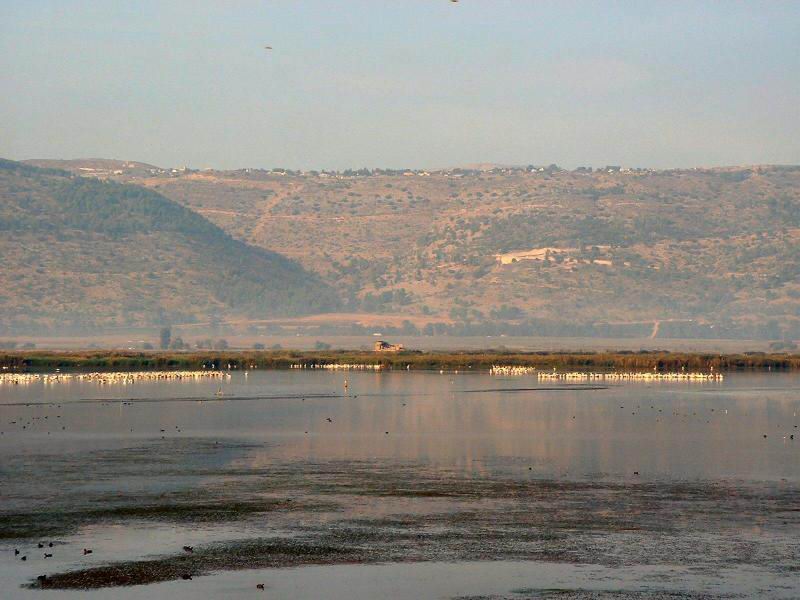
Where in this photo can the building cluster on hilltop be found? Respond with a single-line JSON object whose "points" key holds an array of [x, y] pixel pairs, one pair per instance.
{"points": [[456, 172]]}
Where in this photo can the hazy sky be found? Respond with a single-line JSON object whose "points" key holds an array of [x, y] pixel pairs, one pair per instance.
{"points": [[401, 83]]}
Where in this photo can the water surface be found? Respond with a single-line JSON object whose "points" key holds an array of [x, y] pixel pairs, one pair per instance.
{"points": [[459, 484]]}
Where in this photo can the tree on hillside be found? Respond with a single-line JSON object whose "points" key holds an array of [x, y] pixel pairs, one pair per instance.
{"points": [[165, 337], [178, 344]]}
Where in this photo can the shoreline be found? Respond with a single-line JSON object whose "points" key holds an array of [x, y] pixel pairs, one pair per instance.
{"points": [[658, 361]]}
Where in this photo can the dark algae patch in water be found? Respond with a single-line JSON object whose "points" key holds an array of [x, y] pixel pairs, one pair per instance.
{"points": [[38, 524], [188, 466], [399, 513], [248, 554]]}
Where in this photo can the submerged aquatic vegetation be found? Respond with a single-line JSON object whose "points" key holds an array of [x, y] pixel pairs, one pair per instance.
{"points": [[244, 554], [481, 518]]}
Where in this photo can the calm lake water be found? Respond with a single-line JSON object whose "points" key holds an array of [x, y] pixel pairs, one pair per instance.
{"points": [[404, 485]]}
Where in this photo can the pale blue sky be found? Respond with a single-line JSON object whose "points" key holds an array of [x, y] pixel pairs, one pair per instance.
{"points": [[396, 83]]}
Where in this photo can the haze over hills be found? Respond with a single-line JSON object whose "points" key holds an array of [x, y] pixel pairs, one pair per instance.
{"points": [[525, 250], [80, 254]]}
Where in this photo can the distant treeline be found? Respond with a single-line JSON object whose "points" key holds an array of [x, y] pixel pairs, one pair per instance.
{"points": [[530, 327], [533, 327], [239, 360]]}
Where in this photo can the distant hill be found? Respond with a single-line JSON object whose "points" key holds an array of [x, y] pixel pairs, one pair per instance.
{"points": [[528, 250], [95, 167], [488, 167], [82, 254]]}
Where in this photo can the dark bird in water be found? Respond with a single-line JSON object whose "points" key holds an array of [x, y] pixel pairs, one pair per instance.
{"points": [[24, 558], [188, 548], [260, 586], [186, 576], [267, 47], [16, 551], [40, 545], [86, 551], [46, 555], [329, 420], [50, 545]]}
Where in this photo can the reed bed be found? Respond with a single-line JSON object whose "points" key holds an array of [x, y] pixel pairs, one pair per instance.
{"points": [[38, 360]]}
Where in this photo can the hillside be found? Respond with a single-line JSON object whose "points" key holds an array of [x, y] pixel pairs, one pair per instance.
{"points": [[679, 253], [83, 254]]}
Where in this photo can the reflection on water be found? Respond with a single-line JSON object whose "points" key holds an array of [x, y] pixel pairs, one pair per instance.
{"points": [[104, 465], [660, 430]]}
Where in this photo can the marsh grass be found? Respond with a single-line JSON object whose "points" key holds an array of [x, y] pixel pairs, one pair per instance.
{"points": [[477, 360]]}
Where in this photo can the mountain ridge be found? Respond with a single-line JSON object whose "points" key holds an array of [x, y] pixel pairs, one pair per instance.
{"points": [[85, 253], [704, 252], [533, 250]]}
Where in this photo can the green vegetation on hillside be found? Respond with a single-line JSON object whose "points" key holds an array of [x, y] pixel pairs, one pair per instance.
{"points": [[81, 253], [708, 253], [679, 253]]}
